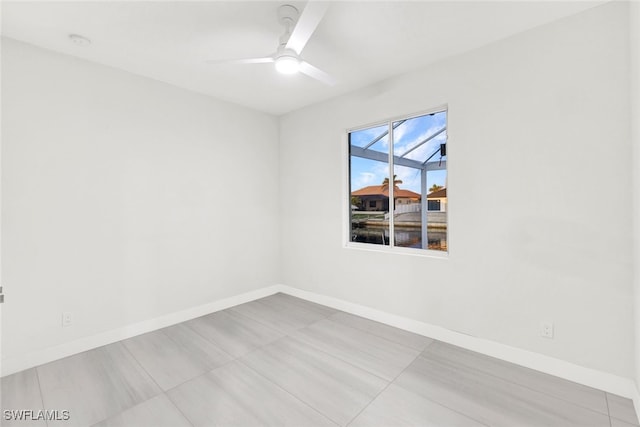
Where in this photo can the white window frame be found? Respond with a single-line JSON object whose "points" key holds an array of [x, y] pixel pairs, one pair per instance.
{"points": [[346, 191]]}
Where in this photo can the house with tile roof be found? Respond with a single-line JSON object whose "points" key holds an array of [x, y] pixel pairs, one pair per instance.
{"points": [[437, 200], [376, 198]]}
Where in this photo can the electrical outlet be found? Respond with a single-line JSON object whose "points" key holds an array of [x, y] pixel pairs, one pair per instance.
{"points": [[67, 318], [546, 329]]}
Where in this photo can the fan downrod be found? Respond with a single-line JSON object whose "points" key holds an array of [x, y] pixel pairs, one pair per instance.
{"points": [[288, 15]]}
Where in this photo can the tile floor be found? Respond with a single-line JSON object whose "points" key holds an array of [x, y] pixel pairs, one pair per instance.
{"points": [[283, 361]]}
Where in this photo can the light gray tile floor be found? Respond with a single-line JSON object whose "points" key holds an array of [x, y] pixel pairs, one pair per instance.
{"points": [[234, 333], [280, 314], [336, 388], [397, 406], [490, 399], [158, 411], [396, 335], [94, 385], [580, 395], [376, 354], [168, 362], [21, 391], [236, 395], [283, 361], [621, 409], [617, 423]]}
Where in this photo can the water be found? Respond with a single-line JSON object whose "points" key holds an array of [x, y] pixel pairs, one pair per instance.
{"points": [[408, 238]]}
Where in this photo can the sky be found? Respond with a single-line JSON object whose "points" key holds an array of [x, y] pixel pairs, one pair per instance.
{"points": [[407, 135]]}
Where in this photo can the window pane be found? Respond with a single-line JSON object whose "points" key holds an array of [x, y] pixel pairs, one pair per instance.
{"points": [[437, 217], [369, 222], [375, 138], [407, 216], [420, 137], [419, 148]]}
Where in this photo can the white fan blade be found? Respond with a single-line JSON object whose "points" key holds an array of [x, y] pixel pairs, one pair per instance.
{"points": [[242, 61], [316, 73], [307, 23]]}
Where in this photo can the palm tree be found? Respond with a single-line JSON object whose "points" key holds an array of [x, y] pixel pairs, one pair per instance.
{"points": [[385, 184], [435, 187]]}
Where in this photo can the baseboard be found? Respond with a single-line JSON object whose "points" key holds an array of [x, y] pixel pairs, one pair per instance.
{"points": [[590, 377], [12, 365]]}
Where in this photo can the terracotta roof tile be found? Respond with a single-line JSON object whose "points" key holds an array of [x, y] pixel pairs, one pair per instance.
{"points": [[438, 194], [376, 190]]}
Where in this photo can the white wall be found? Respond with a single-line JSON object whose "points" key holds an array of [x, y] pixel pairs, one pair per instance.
{"points": [[125, 199], [538, 125], [635, 137]]}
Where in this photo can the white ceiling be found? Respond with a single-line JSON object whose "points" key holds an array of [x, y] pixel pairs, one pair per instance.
{"points": [[357, 42]]}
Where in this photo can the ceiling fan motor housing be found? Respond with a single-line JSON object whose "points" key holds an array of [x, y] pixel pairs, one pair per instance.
{"points": [[287, 15]]}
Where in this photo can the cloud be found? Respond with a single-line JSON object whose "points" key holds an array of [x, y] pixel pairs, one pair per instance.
{"points": [[364, 179], [425, 150], [360, 138], [403, 130], [410, 178], [405, 136]]}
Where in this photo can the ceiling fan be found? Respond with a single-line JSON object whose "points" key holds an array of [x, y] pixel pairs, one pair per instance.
{"points": [[298, 31]]}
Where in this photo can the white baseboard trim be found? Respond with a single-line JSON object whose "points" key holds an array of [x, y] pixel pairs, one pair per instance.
{"points": [[12, 365], [590, 377]]}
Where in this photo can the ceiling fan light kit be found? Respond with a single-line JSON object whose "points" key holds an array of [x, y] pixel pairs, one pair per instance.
{"points": [[298, 30], [287, 64]]}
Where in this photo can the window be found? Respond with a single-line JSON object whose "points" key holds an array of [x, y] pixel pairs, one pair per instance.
{"points": [[434, 205], [398, 183]]}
